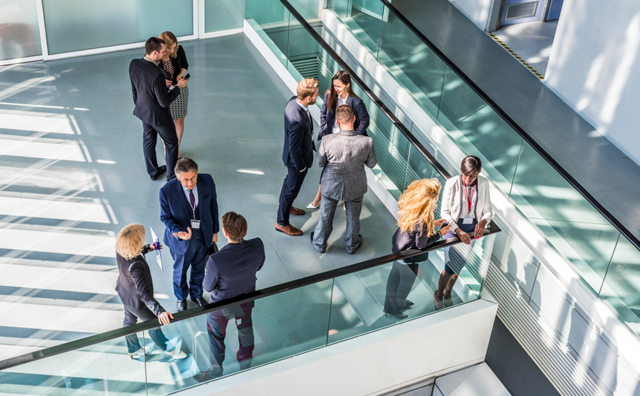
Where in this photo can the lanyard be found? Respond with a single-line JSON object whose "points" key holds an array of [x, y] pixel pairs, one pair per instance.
{"points": [[194, 206], [469, 198]]}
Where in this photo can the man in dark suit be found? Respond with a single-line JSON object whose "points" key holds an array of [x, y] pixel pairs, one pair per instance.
{"points": [[189, 211], [297, 153], [232, 272], [152, 98]]}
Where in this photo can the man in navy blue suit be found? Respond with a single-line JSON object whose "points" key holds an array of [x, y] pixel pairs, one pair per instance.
{"points": [[232, 272], [297, 153], [189, 211], [152, 99]]}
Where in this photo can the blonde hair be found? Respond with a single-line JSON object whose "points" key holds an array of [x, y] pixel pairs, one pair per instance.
{"points": [[130, 241], [306, 87], [416, 206], [169, 40]]}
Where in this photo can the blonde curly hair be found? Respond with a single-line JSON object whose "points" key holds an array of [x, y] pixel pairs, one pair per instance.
{"points": [[416, 206], [130, 241]]}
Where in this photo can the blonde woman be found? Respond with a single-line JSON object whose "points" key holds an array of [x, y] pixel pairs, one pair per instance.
{"points": [[175, 65], [135, 288], [416, 230]]}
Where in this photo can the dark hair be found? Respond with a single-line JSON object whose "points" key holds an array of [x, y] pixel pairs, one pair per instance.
{"points": [[185, 164], [153, 44], [344, 113], [344, 78], [470, 163], [234, 225]]}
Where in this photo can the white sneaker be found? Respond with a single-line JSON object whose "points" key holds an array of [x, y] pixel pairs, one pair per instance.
{"points": [[138, 354], [176, 354]]}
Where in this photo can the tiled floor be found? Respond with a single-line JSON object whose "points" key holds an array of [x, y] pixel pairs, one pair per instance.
{"points": [[531, 41], [72, 175], [602, 169]]}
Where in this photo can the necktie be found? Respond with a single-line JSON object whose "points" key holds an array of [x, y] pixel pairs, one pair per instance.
{"points": [[192, 200], [310, 120]]}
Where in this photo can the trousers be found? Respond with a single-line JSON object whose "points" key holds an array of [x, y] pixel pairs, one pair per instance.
{"points": [[352, 240], [195, 258], [150, 137], [290, 189], [217, 328], [131, 317], [399, 284]]}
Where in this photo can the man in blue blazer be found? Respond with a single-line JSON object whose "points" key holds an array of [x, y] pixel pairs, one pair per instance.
{"points": [[152, 99], [297, 153], [189, 211]]}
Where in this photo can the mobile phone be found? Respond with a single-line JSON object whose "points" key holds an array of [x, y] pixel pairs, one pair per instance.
{"points": [[186, 76], [444, 224]]}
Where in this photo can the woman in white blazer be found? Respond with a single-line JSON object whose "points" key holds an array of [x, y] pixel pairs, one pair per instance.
{"points": [[466, 206]]}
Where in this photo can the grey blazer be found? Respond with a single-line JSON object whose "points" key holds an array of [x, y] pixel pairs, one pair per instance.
{"points": [[343, 156]]}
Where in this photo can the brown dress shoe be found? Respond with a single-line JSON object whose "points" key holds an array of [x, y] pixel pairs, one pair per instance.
{"points": [[288, 229], [294, 211]]}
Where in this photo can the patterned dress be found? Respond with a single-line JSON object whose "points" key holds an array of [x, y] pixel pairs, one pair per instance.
{"points": [[179, 106]]}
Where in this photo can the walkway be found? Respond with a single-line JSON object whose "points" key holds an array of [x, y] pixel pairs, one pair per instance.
{"points": [[607, 173], [72, 174]]}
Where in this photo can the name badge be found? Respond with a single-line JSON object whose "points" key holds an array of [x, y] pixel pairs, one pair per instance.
{"points": [[195, 224], [467, 220]]}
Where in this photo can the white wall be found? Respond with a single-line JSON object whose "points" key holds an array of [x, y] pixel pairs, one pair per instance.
{"points": [[594, 65], [479, 11]]}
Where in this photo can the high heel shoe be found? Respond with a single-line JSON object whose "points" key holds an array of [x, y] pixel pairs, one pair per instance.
{"points": [[311, 206]]}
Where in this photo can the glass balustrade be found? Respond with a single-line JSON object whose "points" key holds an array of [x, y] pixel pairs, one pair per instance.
{"points": [[570, 224], [289, 320]]}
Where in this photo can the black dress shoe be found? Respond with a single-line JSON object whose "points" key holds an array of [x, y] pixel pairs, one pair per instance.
{"points": [[161, 170], [199, 301], [181, 306], [407, 304], [398, 315]]}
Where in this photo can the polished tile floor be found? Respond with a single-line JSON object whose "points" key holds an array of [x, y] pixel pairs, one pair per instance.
{"points": [[72, 175]]}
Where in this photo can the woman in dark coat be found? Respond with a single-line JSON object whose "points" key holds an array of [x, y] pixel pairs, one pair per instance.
{"points": [[135, 288], [416, 230]]}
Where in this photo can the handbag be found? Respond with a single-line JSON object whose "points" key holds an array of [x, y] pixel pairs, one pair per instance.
{"points": [[212, 249]]}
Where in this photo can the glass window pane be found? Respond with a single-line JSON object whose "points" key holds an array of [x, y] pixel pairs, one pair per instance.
{"points": [[223, 15], [272, 20], [570, 224], [621, 287], [80, 25], [19, 30]]}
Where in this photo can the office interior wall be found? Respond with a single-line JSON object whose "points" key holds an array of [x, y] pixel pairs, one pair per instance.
{"points": [[482, 12], [594, 66]]}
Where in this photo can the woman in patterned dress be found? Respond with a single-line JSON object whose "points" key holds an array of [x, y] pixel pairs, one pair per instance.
{"points": [[175, 65]]}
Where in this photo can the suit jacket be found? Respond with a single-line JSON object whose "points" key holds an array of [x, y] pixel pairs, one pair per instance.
{"points": [[453, 198], [175, 212], [134, 284], [150, 94], [232, 270], [328, 118], [413, 240], [344, 156], [298, 137]]}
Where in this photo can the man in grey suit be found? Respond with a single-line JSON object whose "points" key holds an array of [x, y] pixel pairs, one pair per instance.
{"points": [[343, 156]]}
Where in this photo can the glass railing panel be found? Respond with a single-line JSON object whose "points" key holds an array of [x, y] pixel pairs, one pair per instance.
{"points": [[379, 297], [303, 52], [412, 63], [243, 336], [570, 223], [273, 20], [621, 287], [102, 369], [478, 130]]}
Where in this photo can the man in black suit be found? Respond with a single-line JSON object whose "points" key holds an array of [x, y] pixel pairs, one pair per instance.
{"points": [[232, 272], [152, 98], [297, 154]]}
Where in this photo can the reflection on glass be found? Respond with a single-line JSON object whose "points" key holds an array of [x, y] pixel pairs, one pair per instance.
{"points": [[19, 30], [73, 25], [101, 369], [388, 294]]}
